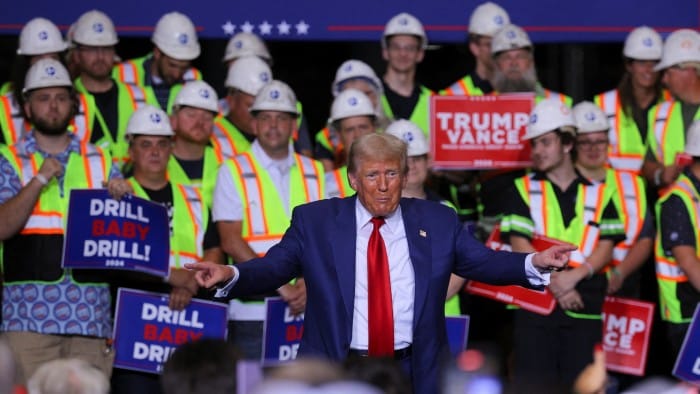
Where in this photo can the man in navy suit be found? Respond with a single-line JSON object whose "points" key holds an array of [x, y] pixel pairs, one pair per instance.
{"points": [[327, 244]]}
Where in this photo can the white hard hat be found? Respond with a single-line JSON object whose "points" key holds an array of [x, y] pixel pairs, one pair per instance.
{"points": [[46, 73], [487, 18], [40, 36], [590, 118], [149, 120], [510, 37], [248, 74], [94, 28], [681, 46], [275, 96], [246, 44], [349, 103], [176, 36], [411, 134], [549, 115], [198, 94], [352, 69], [643, 43], [692, 144], [404, 24]]}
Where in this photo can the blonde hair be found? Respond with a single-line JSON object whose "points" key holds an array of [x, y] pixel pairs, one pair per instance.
{"points": [[379, 147]]}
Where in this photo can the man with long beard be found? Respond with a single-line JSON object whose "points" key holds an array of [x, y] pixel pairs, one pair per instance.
{"points": [[513, 55]]}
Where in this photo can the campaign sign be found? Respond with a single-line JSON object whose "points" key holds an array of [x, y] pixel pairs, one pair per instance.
{"points": [[147, 331], [131, 234], [457, 333], [688, 362], [626, 332], [480, 132], [281, 332]]}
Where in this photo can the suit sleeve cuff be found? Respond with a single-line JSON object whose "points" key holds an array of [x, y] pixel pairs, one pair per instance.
{"points": [[534, 276], [223, 290]]}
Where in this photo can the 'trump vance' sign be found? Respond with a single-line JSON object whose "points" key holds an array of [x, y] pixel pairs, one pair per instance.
{"points": [[147, 331], [480, 132], [101, 232]]}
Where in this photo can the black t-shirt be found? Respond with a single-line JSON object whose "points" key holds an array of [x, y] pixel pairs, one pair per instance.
{"points": [[401, 106], [194, 169], [676, 226], [688, 111], [108, 104], [164, 196], [480, 83], [641, 118]]}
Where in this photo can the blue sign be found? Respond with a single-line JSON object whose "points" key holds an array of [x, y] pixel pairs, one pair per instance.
{"points": [[457, 333], [147, 331], [688, 362], [281, 333], [364, 20], [131, 234]]}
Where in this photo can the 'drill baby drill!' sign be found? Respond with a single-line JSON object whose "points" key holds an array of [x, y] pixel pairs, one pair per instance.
{"points": [[101, 232], [147, 331]]}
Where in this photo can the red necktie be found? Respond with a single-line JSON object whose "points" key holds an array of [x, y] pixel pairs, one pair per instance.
{"points": [[381, 314]]}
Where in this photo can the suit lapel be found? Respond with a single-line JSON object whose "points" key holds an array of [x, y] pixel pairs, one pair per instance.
{"points": [[343, 238], [420, 252]]}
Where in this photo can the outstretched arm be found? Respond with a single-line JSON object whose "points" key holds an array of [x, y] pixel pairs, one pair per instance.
{"points": [[210, 274]]}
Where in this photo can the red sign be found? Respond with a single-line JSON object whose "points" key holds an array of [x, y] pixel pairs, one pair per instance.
{"points": [[626, 331], [541, 302], [480, 132]]}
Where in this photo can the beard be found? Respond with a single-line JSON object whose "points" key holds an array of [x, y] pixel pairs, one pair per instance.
{"points": [[99, 70], [526, 83], [52, 126]]}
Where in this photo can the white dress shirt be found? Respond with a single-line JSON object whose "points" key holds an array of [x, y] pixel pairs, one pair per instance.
{"points": [[401, 275]]}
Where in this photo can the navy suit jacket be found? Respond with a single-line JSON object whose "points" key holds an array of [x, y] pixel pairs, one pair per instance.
{"points": [[320, 246]]}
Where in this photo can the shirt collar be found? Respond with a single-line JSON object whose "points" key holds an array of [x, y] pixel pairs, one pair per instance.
{"points": [[391, 221], [29, 145], [541, 176], [267, 162]]}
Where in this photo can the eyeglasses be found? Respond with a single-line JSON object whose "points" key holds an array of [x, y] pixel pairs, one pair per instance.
{"points": [[588, 145]]}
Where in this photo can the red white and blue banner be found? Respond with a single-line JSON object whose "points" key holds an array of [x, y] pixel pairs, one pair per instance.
{"points": [[687, 366], [130, 234], [281, 332], [147, 331], [364, 20]]}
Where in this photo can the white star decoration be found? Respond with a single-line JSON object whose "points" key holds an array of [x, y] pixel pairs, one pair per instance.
{"points": [[302, 28], [247, 27], [265, 28], [229, 28], [283, 28]]}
